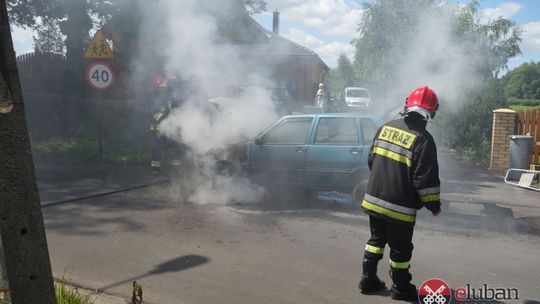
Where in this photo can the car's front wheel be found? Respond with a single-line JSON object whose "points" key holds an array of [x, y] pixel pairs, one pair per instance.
{"points": [[226, 168]]}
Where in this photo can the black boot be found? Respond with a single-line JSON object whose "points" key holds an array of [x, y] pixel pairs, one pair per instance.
{"points": [[370, 283], [402, 289]]}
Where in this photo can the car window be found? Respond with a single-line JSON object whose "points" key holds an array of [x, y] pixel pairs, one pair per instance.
{"points": [[336, 131], [289, 132], [368, 131]]}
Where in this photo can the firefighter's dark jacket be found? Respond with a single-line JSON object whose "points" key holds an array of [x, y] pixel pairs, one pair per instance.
{"points": [[404, 171], [162, 109]]}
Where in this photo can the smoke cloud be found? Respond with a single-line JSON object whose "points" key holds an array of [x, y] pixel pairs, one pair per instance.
{"points": [[209, 118], [436, 56], [437, 59]]}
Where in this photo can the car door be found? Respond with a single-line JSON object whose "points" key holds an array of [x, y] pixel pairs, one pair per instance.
{"points": [[369, 128], [333, 154], [278, 156]]}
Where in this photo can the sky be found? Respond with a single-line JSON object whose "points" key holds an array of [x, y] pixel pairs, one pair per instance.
{"points": [[328, 26]]}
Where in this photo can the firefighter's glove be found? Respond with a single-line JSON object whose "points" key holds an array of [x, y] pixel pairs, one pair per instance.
{"points": [[434, 207]]}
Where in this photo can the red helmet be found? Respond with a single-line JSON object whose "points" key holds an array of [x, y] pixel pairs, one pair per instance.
{"points": [[160, 81], [424, 98]]}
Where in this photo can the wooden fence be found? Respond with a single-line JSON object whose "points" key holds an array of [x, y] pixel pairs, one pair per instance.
{"points": [[42, 72], [529, 124]]}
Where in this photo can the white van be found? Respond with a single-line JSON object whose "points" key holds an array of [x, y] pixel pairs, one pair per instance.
{"points": [[357, 97]]}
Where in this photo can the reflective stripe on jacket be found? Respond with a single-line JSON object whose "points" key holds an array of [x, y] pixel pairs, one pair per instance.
{"points": [[163, 113], [404, 171]]}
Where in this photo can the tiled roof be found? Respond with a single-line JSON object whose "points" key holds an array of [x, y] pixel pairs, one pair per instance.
{"points": [[275, 45]]}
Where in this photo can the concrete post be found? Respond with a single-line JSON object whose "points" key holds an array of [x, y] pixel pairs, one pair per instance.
{"points": [[504, 125], [26, 268]]}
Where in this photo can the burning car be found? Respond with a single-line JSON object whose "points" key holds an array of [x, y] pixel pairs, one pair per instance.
{"points": [[318, 152]]}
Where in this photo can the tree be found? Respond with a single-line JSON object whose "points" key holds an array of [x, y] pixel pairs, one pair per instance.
{"points": [[399, 37], [255, 6], [470, 128], [72, 17], [340, 77], [345, 71], [523, 81], [409, 43], [48, 38]]}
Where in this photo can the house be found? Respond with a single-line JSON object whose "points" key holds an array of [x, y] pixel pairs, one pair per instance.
{"points": [[287, 64], [290, 65]]}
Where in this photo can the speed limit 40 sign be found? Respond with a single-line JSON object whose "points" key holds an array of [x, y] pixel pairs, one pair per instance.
{"points": [[99, 76]]}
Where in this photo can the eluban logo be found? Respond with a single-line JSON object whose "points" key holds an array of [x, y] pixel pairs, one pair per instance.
{"points": [[434, 291], [469, 293]]}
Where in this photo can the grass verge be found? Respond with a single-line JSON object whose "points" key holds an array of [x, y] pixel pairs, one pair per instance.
{"points": [[85, 150], [68, 295]]}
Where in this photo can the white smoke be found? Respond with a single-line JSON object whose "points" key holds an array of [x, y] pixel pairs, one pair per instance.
{"points": [[436, 56], [436, 59], [206, 125], [208, 121]]}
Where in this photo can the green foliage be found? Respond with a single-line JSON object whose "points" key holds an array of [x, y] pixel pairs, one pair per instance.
{"points": [[72, 19], [25, 13], [340, 77], [519, 104], [49, 38], [385, 28], [410, 42], [520, 108], [83, 149], [523, 82], [67, 295], [472, 124], [523, 102], [389, 28]]}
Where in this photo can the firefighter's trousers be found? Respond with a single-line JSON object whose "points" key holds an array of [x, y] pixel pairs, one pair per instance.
{"points": [[398, 237]]}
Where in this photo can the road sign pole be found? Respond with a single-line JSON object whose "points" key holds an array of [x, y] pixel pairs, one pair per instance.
{"points": [[99, 124], [100, 77]]}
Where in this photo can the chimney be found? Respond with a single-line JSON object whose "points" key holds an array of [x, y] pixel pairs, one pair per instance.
{"points": [[275, 23]]}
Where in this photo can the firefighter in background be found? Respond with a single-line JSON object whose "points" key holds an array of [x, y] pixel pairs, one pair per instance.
{"points": [[164, 104], [321, 99], [404, 178]]}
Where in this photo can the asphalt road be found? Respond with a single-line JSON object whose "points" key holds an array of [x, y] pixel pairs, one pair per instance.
{"points": [[291, 251]]}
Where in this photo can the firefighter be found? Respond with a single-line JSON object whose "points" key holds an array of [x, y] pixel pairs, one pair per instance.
{"points": [[164, 104], [404, 178]]}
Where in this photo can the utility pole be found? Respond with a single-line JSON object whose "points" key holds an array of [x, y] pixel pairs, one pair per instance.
{"points": [[25, 268]]}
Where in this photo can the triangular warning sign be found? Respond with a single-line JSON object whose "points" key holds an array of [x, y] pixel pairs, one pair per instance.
{"points": [[98, 47]]}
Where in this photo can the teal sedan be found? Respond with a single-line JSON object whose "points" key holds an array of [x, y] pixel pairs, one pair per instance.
{"points": [[320, 151]]}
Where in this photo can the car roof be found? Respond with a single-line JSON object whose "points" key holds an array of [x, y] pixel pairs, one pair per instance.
{"points": [[356, 88], [334, 115]]}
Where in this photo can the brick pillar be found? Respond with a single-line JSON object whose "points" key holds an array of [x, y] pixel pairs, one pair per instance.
{"points": [[504, 125]]}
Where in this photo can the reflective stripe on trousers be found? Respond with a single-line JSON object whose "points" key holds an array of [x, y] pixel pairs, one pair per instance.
{"points": [[375, 250], [400, 265], [395, 211]]}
